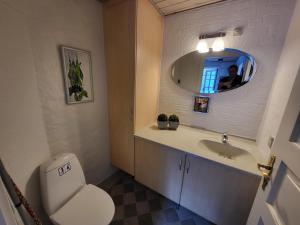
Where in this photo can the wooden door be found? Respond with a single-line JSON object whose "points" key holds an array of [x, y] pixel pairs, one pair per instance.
{"points": [[119, 31], [279, 203], [159, 168]]}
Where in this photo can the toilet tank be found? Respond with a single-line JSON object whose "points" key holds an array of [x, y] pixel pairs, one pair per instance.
{"points": [[61, 177]]}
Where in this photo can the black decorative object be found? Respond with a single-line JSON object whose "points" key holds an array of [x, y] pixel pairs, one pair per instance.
{"points": [[173, 122], [162, 121]]}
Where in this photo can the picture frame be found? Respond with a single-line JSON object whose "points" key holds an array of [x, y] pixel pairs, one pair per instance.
{"points": [[78, 77], [201, 104]]}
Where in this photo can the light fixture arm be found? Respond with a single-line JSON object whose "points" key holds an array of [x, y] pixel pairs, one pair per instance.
{"points": [[212, 35]]}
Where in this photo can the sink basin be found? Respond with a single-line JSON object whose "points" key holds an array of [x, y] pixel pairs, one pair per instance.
{"points": [[225, 150]]}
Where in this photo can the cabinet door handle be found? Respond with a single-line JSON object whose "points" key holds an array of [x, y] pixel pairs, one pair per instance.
{"points": [[188, 165], [131, 116], [180, 164]]}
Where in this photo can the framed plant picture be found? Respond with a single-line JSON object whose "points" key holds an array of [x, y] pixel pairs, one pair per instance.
{"points": [[77, 66]]}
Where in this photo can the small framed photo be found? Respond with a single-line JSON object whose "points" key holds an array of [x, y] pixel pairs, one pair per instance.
{"points": [[77, 66], [201, 104]]}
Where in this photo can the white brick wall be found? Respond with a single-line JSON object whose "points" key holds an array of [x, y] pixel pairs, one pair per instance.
{"points": [[287, 70], [238, 112]]}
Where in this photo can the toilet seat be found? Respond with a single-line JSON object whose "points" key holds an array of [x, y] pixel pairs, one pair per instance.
{"points": [[90, 206]]}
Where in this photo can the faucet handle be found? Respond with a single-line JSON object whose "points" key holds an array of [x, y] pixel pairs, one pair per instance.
{"points": [[224, 138]]}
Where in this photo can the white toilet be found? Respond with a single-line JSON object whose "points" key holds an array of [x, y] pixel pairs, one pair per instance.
{"points": [[67, 199]]}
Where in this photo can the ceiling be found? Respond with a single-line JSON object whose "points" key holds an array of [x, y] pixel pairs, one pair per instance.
{"points": [[167, 7]]}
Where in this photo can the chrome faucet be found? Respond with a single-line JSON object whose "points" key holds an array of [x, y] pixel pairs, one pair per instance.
{"points": [[224, 138]]}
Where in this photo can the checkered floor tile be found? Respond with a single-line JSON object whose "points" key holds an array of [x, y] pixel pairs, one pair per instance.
{"points": [[138, 205]]}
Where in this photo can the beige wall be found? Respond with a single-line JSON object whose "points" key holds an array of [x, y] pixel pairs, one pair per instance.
{"points": [[287, 70], [35, 121]]}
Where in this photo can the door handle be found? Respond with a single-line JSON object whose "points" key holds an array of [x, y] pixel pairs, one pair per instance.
{"points": [[188, 165], [267, 171], [180, 164]]}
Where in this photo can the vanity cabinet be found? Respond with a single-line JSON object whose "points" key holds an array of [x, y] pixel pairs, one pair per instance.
{"points": [[217, 192], [220, 193], [159, 168], [133, 45]]}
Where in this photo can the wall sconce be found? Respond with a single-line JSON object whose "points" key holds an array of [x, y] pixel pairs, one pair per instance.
{"points": [[202, 46], [217, 46]]}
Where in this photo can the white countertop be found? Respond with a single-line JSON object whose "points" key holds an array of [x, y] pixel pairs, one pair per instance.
{"points": [[188, 139]]}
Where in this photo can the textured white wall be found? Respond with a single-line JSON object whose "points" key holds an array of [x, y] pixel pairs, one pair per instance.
{"points": [[23, 140], [34, 115], [288, 68], [237, 112], [81, 128]]}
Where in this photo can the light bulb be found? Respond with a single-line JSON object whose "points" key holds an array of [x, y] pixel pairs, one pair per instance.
{"points": [[202, 47], [218, 45]]}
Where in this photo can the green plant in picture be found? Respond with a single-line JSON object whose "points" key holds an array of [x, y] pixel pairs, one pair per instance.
{"points": [[75, 76]]}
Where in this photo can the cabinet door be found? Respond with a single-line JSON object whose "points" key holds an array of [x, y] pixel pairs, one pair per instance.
{"points": [[221, 194], [149, 41], [119, 31], [159, 168]]}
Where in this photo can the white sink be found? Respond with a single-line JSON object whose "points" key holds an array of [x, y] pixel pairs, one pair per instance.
{"points": [[225, 150]]}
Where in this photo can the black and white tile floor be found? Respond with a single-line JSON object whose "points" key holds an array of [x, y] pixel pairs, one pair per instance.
{"points": [[138, 205]]}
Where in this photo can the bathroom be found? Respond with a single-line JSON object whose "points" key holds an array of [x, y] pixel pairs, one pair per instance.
{"points": [[231, 160]]}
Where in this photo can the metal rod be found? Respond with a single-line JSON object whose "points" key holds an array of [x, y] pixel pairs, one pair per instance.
{"points": [[212, 35], [12, 193]]}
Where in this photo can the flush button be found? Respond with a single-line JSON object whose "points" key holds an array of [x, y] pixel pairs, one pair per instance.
{"points": [[64, 169], [61, 171]]}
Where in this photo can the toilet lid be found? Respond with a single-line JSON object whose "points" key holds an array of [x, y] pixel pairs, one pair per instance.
{"points": [[90, 206]]}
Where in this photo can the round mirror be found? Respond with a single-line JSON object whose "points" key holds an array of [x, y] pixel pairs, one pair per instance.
{"points": [[213, 72]]}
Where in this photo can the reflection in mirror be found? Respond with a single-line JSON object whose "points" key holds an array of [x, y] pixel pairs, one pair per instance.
{"points": [[213, 72]]}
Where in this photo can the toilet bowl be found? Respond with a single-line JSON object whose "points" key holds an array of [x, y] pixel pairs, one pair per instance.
{"points": [[67, 199]]}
